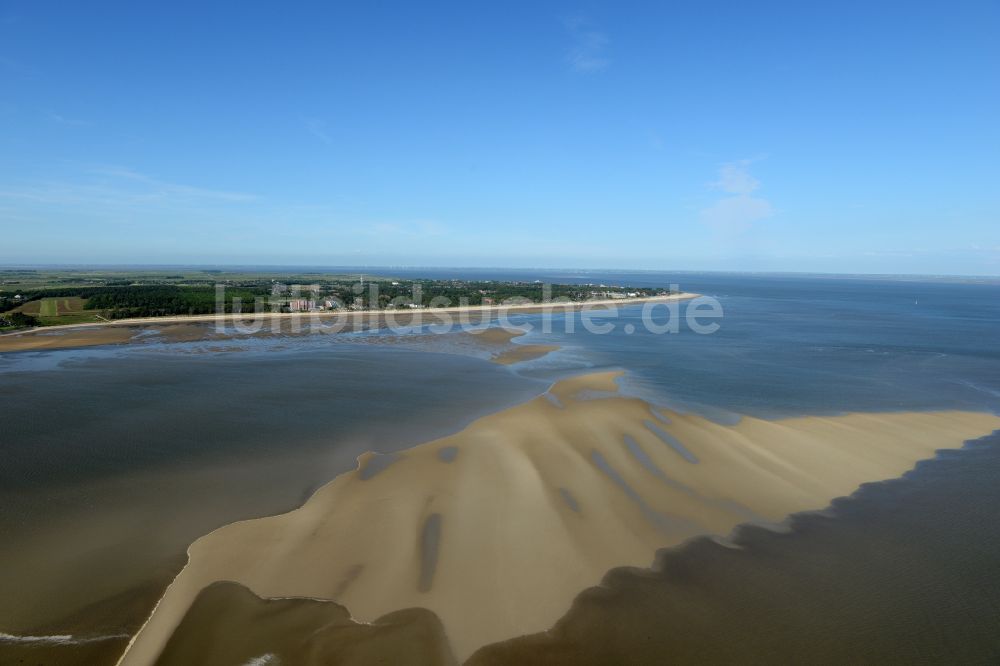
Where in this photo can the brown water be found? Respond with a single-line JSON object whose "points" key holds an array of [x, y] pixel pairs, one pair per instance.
{"points": [[115, 460], [904, 572], [303, 632]]}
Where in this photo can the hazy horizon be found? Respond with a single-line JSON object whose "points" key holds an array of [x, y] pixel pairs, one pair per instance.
{"points": [[334, 268]]}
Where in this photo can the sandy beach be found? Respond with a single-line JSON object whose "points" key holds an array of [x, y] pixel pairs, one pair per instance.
{"points": [[200, 327], [497, 528]]}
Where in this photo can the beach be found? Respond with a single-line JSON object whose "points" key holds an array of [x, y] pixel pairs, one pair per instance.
{"points": [[200, 327], [521, 511]]}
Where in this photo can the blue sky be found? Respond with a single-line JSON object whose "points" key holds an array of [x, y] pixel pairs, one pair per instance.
{"points": [[834, 137]]}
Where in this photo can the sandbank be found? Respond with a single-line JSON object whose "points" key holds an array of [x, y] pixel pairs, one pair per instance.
{"points": [[535, 503]]}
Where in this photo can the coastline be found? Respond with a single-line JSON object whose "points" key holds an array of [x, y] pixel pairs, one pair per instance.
{"points": [[373, 315], [94, 570], [458, 523], [187, 328]]}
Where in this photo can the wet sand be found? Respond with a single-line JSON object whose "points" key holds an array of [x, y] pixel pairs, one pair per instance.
{"points": [[39, 339], [92, 335], [498, 335], [521, 353], [505, 352], [497, 528], [902, 572]]}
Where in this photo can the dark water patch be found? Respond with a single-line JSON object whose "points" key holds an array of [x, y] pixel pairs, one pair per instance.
{"points": [[569, 499], [349, 577], [228, 624], [661, 416], [671, 441], [95, 635], [730, 506], [595, 394], [662, 521], [103, 415], [447, 453], [643, 459], [430, 543], [554, 399], [902, 572], [603, 465]]}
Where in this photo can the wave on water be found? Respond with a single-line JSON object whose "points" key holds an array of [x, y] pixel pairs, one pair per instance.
{"points": [[59, 639], [976, 387], [262, 660]]}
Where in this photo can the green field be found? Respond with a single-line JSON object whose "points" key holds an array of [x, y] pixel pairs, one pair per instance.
{"points": [[48, 307], [60, 310], [17, 280]]}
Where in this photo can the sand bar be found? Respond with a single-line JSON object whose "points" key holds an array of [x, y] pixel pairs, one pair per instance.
{"points": [[507, 352], [534, 504]]}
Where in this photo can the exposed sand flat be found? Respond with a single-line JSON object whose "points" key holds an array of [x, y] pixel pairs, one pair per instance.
{"points": [[905, 573], [499, 341], [520, 353], [80, 337], [496, 335], [531, 505], [89, 335], [510, 353], [184, 332]]}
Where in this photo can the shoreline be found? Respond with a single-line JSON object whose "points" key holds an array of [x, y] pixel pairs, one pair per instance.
{"points": [[192, 328], [331, 314], [639, 615], [127, 605]]}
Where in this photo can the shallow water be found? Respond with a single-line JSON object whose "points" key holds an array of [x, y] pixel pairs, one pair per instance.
{"points": [[115, 458], [804, 346], [115, 461]]}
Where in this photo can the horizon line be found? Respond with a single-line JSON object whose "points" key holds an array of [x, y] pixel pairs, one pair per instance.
{"points": [[262, 267]]}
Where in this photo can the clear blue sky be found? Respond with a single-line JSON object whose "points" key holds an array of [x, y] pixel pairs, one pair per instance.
{"points": [[843, 137]]}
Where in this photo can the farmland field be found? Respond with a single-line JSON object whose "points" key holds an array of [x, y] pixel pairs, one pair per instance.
{"points": [[60, 310], [48, 307]]}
